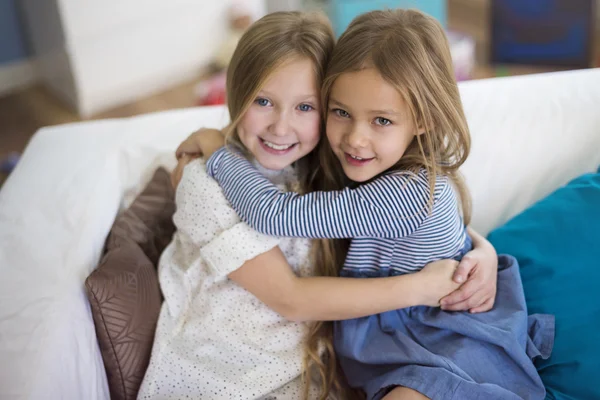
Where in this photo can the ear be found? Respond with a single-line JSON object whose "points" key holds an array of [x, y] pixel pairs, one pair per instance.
{"points": [[420, 131]]}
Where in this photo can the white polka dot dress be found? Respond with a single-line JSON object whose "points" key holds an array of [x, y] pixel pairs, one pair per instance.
{"points": [[214, 339]]}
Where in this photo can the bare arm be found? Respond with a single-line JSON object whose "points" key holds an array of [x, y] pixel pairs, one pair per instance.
{"points": [[270, 278]]}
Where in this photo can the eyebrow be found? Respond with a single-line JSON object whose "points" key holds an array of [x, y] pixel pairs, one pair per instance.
{"points": [[302, 96], [387, 112]]}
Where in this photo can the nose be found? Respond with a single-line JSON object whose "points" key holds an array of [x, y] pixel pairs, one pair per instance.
{"points": [[281, 124], [356, 138]]}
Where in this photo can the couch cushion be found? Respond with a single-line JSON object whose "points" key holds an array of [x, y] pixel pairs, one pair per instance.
{"points": [[530, 135], [556, 243], [125, 298], [124, 291], [148, 221]]}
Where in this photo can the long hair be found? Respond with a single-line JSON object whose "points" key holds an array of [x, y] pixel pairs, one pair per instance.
{"points": [[410, 51], [270, 42]]}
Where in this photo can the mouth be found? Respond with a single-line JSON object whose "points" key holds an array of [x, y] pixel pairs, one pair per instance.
{"points": [[357, 161], [277, 149]]}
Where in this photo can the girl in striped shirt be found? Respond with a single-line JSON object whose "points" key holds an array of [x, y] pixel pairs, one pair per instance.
{"points": [[396, 136]]}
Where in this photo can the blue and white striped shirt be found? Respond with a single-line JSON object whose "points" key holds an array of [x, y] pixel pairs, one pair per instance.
{"points": [[393, 227]]}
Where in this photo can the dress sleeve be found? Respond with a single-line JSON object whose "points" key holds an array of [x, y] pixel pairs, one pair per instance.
{"points": [[211, 225], [229, 250]]}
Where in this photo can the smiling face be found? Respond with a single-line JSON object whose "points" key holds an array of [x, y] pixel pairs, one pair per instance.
{"points": [[282, 123], [369, 125]]}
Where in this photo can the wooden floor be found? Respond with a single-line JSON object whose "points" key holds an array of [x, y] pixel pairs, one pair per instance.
{"points": [[24, 112]]}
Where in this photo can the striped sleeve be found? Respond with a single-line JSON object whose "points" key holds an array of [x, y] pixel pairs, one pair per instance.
{"points": [[391, 206]]}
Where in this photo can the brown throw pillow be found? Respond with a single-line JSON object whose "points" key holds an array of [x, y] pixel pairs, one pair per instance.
{"points": [[126, 300], [149, 219], [124, 292]]}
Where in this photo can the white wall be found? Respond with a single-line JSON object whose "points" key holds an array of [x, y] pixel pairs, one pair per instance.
{"points": [[50, 55], [118, 51]]}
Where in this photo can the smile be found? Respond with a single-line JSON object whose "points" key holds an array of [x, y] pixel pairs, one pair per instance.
{"points": [[355, 160], [276, 148]]}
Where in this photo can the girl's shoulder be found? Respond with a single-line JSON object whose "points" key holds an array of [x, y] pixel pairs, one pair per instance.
{"points": [[418, 177], [194, 171], [416, 180], [195, 182]]}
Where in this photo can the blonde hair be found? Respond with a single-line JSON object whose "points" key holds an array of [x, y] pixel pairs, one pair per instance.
{"points": [[268, 44], [410, 51]]}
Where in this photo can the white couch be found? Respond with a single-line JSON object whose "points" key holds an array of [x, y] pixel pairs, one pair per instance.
{"points": [[531, 134]]}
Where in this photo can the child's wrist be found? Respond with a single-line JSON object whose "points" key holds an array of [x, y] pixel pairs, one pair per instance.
{"points": [[417, 289], [411, 286]]}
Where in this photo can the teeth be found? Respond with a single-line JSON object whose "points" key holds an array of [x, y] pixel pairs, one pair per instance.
{"points": [[277, 146], [356, 158]]}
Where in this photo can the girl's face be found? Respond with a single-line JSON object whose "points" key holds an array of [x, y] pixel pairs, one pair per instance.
{"points": [[369, 125], [282, 124]]}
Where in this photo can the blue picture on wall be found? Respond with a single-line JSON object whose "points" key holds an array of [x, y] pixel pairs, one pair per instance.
{"points": [[549, 32]]}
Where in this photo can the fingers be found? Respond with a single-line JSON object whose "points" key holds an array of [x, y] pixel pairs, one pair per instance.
{"points": [[474, 301], [486, 306], [464, 292], [173, 180], [193, 144], [183, 152], [178, 171], [176, 176], [190, 147], [477, 293], [464, 269]]}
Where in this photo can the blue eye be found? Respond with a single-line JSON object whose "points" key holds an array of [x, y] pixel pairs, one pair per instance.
{"points": [[340, 113], [382, 121], [261, 101], [305, 107]]}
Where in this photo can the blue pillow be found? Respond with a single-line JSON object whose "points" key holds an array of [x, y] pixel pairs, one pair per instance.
{"points": [[557, 243]]}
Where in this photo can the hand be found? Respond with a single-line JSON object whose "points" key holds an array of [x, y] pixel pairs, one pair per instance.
{"points": [[437, 282], [203, 142], [178, 171], [479, 268]]}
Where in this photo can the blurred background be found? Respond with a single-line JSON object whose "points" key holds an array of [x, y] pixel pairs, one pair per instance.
{"points": [[64, 61]]}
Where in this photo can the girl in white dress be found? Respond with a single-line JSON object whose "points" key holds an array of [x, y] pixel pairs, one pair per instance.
{"points": [[232, 324]]}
